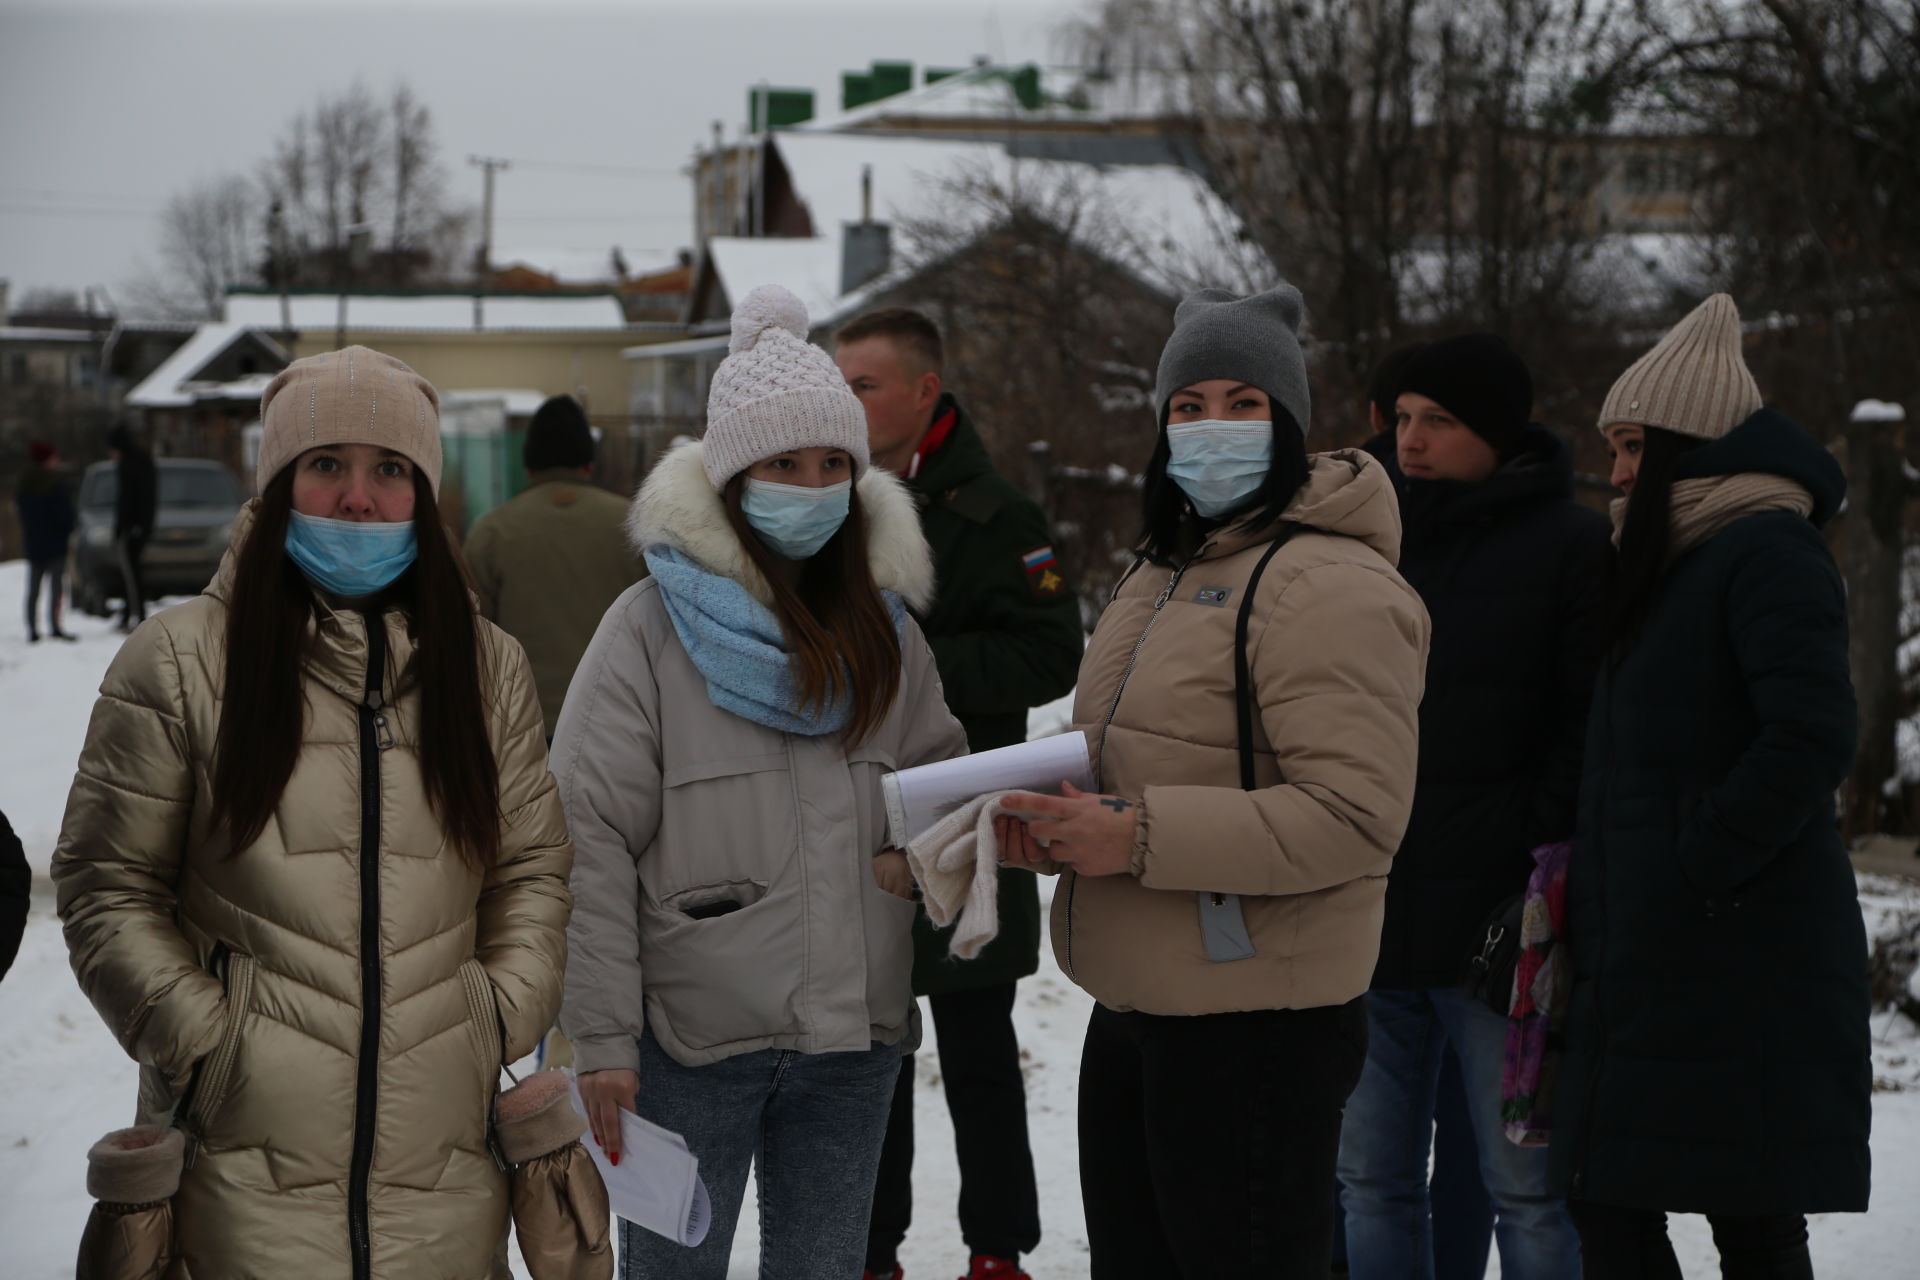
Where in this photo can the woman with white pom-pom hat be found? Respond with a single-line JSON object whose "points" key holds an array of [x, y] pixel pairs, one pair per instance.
{"points": [[741, 946]]}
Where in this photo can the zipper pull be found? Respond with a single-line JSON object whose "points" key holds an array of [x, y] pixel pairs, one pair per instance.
{"points": [[191, 1131], [1166, 592], [383, 735]]}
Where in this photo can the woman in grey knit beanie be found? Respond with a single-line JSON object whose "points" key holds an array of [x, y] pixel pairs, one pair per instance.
{"points": [[1249, 699]]}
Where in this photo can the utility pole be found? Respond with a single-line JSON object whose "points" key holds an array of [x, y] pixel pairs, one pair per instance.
{"points": [[483, 262], [277, 247]]}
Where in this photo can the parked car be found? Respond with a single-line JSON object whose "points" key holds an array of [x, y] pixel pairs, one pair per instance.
{"points": [[198, 500]]}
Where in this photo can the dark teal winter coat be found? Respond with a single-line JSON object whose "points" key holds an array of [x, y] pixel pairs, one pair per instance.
{"points": [[1717, 1041]]}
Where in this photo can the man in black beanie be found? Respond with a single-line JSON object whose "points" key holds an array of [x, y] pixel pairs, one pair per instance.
{"points": [[1514, 574], [548, 563]]}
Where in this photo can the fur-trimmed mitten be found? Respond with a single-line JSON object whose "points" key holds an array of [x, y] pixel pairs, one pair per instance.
{"points": [[560, 1208], [132, 1174]]}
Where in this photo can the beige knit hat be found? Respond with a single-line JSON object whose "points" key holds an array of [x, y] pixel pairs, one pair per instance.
{"points": [[1694, 381], [776, 391], [351, 396]]}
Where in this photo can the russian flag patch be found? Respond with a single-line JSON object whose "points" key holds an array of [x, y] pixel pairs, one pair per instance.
{"points": [[1039, 558]]}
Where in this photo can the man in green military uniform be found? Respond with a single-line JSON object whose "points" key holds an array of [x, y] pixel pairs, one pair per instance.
{"points": [[1006, 636]]}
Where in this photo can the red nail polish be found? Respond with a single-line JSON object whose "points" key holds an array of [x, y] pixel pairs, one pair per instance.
{"points": [[615, 1158]]}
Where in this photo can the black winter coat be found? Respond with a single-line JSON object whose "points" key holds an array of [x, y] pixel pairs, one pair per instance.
{"points": [[1717, 1042], [47, 516], [16, 884], [137, 498], [1005, 633], [1514, 574]]}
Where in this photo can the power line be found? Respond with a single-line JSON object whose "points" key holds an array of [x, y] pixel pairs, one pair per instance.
{"points": [[74, 211], [621, 170]]}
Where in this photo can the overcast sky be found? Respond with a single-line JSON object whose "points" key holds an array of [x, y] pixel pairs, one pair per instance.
{"points": [[107, 109]]}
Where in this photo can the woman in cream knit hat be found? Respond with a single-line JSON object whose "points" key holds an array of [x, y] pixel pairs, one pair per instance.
{"points": [[313, 872], [740, 957], [1717, 1053]]}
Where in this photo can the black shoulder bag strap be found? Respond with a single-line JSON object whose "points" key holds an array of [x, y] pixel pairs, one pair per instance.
{"points": [[1242, 676], [1223, 925]]}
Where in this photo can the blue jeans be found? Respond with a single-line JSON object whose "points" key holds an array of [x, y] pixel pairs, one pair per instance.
{"points": [[809, 1124], [1388, 1135], [1462, 1214]]}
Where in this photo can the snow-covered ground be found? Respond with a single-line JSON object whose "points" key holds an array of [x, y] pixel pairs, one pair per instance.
{"points": [[66, 1081]]}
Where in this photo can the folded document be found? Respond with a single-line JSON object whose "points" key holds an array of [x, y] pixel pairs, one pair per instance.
{"points": [[918, 798], [657, 1182]]}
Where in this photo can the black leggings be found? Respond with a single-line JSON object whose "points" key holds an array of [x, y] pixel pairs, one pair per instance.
{"points": [[52, 572], [1632, 1244]]}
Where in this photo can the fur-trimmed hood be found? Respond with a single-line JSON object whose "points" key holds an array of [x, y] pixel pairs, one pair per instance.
{"points": [[679, 506]]}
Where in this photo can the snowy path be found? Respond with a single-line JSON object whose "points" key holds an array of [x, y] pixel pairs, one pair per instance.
{"points": [[66, 1081]]}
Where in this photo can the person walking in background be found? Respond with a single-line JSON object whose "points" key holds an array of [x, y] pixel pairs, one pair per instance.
{"points": [[1514, 574], [1005, 634], [1717, 1050], [320, 894], [1250, 696], [47, 520], [548, 563], [135, 504], [740, 958]]}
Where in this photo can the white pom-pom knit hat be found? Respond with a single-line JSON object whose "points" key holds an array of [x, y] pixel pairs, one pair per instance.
{"points": [[776, 391]]}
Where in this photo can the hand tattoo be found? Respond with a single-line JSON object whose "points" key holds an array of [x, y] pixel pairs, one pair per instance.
{"points": [[1116, 804]]}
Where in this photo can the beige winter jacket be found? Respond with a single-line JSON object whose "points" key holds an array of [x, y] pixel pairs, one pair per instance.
{"points": [[676, 804], [327, 1126], [1337, 648], [546, 566]]}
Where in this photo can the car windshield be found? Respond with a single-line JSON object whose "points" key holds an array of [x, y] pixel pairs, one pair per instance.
{"points": [[179, 487]]}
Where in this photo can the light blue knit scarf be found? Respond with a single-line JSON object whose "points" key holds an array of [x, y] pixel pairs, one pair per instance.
{"points": [[736, 642]]}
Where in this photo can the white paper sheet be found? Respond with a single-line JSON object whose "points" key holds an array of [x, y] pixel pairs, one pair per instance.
{"points": [[657, 1182], [918, 798]]}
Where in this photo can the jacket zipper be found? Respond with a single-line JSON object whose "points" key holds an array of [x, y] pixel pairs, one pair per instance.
{"points": [[1113, 708], [375, 737]]}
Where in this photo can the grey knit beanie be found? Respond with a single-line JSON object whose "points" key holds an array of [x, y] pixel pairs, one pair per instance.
{"points": [[1255, 340], [776, 391], [1694, 381]]}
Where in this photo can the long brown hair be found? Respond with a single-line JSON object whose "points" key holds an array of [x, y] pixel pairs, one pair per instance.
{"points": [[263, 711], [1646, 532], [840, 638]]}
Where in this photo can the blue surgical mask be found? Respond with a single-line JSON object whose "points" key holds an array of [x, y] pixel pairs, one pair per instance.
{"points": [[1218, 464], [796, 520], [347, 557]]}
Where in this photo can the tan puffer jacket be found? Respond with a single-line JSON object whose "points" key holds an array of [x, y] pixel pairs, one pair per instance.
{"points": [[337, 1136], [1337, 650]]}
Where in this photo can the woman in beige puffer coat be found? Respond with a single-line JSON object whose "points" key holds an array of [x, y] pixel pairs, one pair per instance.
{"points": [[1250, 696], [322, 897]]}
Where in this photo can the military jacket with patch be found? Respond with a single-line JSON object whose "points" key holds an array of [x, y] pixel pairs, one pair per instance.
{"points": [[1005, 632]]}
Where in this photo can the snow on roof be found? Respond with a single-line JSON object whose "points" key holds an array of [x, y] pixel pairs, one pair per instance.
{"points": [[585, 265], [173, 384], [810, 268], [521, 402], [451, 311], [1636, 274], [687, 347], [986, 93], [1162, 220], [1878, 411], [27, 333]]}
